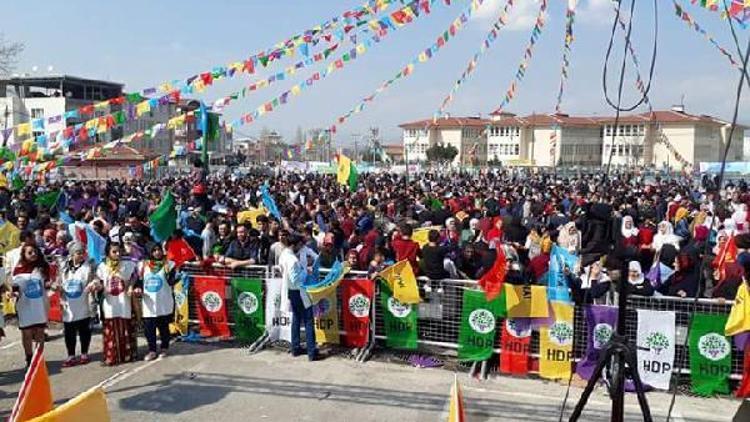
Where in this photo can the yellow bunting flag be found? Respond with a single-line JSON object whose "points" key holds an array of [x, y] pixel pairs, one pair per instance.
{"points": [[361, 49], [402, 282], [24, 129], [456, 411], [739, 316], [296, 90], [180, 324], [251, 215], [526, 301], [326, 316], [88, 406], [556, 344], [142, 108], [421, 235]]}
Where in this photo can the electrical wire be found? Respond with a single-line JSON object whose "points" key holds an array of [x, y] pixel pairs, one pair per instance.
{"points": [[719, 184]]}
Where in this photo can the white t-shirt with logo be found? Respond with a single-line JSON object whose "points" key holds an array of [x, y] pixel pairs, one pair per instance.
{"points": [[74, 299], [32, 304], [116, 303], [158, 299]]}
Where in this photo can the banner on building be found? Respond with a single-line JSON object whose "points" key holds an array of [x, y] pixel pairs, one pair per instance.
{"points": [[326, 316], [400, 321], [249, 321], [710, 355], [656, 347], [556, 343], [212, 310], [526, 301], [278, 313], [476, 337], [601, 323], [515, 345], [356, 296]]}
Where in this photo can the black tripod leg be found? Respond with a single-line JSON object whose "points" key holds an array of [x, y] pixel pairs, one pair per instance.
{"points": [[640, 392], [595, 377]]}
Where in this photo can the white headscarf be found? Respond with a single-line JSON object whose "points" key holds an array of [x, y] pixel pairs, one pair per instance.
{"points": [[666, 238], [571, 242], [635, 266], [587, 281], [632, 231]]}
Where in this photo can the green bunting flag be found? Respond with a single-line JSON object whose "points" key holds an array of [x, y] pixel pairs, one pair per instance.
{"points": [[164, 219], [249, 321], [476, 337], [710, 355], [48, 199], [400, 321]]}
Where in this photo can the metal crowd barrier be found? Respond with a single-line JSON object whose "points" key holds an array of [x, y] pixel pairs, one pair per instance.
{"points": [[439, 317]]}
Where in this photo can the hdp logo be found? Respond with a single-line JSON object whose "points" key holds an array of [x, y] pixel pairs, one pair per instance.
{"points": [[73, 288], [211, 301], [713, 346], [247, 302], [321, 308], [601, 334], [482, 321], [657, 342], [179, 298], [359, 305], [153, 283], [398, 309], [561, 333], [33, 289], [517, 330]]}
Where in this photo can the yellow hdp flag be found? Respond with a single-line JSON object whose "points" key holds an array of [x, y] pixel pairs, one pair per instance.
{"points": [[421, 235], [456, 411], [556, 344], [9, 307], [251, 215], [343, 169], [90, 406], [10, 237], [180, 324], [402, 282], [326, 319], [739, 316], [526, 301]]}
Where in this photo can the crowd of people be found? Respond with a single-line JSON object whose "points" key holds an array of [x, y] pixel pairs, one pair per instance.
{"points": [[662, 237]]}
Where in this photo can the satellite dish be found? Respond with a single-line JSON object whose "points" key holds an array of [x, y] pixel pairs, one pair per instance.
{"points": [[34, 68], [50, 68]]}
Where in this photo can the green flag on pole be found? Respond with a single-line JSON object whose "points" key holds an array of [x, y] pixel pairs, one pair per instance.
{"points": [[710, 355], [249, 317], [353, 175], [476, 337], [164, 219], [48, 199], [400, 321]]}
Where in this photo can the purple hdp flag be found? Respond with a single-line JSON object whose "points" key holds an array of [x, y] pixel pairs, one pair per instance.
{"points": [[601, 323]]}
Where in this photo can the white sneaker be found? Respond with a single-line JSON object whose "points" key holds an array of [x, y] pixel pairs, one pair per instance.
{"points": [[163, 354], [150, 356]]}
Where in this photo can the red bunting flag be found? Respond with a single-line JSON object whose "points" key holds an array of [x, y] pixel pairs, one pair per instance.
{"points": [[89, 109], [492, 281], [207, 78], [212, 310], [356, 301], [515, 343], [179, 251]]}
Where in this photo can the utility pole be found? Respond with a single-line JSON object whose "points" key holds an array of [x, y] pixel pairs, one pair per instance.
{"points": [[6, 115], [356, 137]]}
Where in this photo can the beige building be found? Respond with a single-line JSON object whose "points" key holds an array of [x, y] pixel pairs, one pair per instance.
{"points": [[466, 134]]}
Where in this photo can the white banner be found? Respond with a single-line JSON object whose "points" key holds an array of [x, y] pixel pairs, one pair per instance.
{"points": [[278, 314], [656, 341]]}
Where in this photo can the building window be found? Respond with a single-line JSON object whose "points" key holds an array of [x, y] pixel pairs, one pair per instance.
{"points": [[516, 149], [37, 113]]}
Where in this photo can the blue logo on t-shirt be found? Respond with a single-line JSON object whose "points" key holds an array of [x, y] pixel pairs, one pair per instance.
{"points": [[153, 283], [73, 288], [33, 289]]}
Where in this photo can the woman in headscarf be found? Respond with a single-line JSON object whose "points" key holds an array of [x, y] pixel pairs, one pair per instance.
{"points": [[77, 282], [118, 277], [570, 238], [637, 283], [591, 287], [156, 280], [533, 243], [30, 282], [682, 228], [665, 236], [684, 282], [629, 233], [470, 233], [452, 235]]}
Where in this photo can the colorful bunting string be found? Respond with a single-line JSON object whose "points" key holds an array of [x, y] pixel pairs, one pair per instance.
{"points": [[488, 41], [692, 23], [536, 31], [737, 9], [422, 57], [569, 38]]}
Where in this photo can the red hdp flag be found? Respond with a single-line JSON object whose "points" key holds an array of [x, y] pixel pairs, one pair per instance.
{"points": [[744, 388], [212, 309], [727, 254], [179, 251], [492, 281], [35, 395], [515, 343], [356, 302], [55, 311]]}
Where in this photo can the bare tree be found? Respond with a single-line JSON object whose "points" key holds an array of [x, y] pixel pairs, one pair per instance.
{"points": [[9, 52]]}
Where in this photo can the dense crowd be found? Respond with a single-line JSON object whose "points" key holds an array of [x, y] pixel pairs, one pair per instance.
{"points": [[668, 237]]}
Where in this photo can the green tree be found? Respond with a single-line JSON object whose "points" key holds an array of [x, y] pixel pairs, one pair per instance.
{"points": [[441, 154]]}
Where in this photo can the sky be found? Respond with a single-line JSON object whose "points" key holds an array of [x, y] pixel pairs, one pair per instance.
{"points": [[143, 43]]}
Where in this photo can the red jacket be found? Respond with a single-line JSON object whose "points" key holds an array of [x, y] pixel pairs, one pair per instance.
{"points": [[406, 249]]}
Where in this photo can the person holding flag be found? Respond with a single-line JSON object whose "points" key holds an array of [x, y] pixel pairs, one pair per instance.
{"points": [[293, 274]]}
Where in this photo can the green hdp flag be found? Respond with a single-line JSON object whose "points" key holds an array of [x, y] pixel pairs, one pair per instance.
{"points": [[213, 127], [476, 336], [17, 183], [164, 219], [48, 199], [249, 318], [710, 355], [353, 177], [400, 321]]}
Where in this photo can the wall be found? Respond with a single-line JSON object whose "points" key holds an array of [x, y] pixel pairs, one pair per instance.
{"points": [[418, 142], [537, 139], [503, 142], [682, 138], [579, 146]]}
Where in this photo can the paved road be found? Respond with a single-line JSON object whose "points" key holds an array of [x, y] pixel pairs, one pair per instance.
{"points": [[221, 383]]}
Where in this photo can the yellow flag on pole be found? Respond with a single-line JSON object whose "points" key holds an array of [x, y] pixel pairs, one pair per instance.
{"points": [[526, 301], [88, 406], [421, 235], [251, 215], [402, 282], [326, 319], [556, 344], [739, 316], [180, 324], [344, 167], [456, 411]]}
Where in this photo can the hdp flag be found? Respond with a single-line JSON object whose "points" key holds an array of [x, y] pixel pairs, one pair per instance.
{"points": [[268, 202], [655, 343], [48, 200], [515, 345], [739, 316], [10, 237], [164, 219], [400, 320], [179, 251], [35, 396], [526, 301], [456, 407], [601, 322], [251, 215], [87, 406], [95, 245], [212, 312], [356, 300], [317, 290], [249, 321], [346, 173], [476, 337], [325, 312], [557, 284], [421, 235], [181, 307], [401, 281], [710, 355], [492, 281], [556, 344], [278, 314]]}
